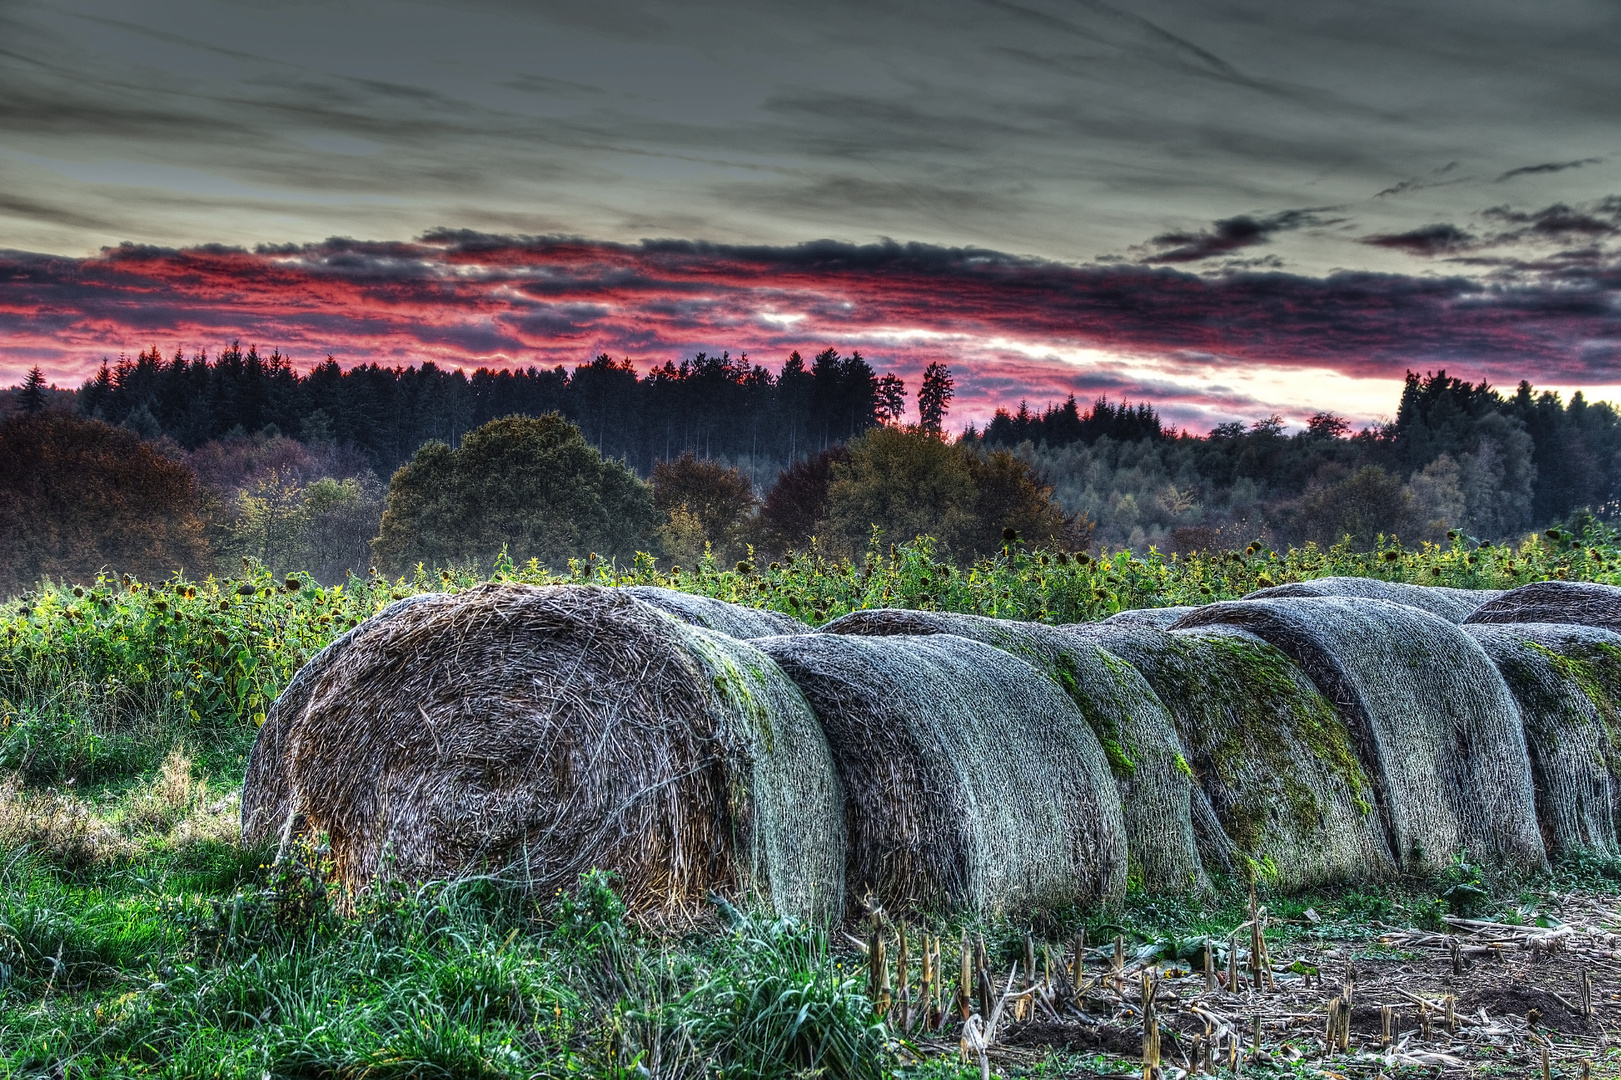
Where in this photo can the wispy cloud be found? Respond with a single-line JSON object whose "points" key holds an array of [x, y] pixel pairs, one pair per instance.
{"points": [[1548, 167]]}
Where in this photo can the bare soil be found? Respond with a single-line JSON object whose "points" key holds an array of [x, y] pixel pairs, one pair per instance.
{"points": [[1515, 992]]}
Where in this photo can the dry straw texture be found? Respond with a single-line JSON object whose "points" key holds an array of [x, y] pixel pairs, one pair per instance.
{"points": [[1131, 725], [1159, 618], [734, 620], [1436, 726], [971, 782], [1453, 605], [270, 810], [1582, 602], [1270, 753], [549, 731], [1567, 680]]}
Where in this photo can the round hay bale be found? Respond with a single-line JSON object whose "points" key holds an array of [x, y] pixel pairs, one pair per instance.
{"points": [[1131, 725], [1270, 753], [1585, 603], [971, 782], [1567, 681], [1157, 617], [718, 615], [1453, 605], [1435, 725], [555, 730]]}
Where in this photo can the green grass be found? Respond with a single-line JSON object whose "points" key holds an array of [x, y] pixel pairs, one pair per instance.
{"points": [[137, 937]]}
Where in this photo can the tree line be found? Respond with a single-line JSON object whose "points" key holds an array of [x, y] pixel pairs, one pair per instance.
{"points": [[715, 407], [1458, 455]]}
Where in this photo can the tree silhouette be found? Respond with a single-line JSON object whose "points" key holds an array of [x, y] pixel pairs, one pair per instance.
{"points": [[32, 397], [934, 398]]}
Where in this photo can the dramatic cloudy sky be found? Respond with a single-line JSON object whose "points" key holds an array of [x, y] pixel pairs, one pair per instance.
{"points": [[1230, 208]]}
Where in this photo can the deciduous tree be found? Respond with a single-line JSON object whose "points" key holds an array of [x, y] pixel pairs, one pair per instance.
{"points": [[530, 484], [78, 496]]}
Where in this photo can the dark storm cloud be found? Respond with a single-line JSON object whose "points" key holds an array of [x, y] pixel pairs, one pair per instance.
{"points": [[1429, 240], [1226, 237]]}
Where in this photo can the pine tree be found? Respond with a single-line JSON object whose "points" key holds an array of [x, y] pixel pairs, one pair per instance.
{"points": [[934, 397], [32, 397]]}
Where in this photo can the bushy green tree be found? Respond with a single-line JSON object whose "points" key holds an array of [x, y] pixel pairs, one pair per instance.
{"points": [[530, 484], [912, 483]]}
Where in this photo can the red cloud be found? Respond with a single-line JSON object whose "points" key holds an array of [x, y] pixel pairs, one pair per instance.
{"points": [[1000, 321]]}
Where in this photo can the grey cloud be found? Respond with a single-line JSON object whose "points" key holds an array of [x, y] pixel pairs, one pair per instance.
{"points": [[1063, 127], [1428, 240], [1227, 236], [1549, 167]]}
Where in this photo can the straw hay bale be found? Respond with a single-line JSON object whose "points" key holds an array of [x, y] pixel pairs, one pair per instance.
{"points": [[1583, 602], [718, 615], [1271, 754], [555, 730], [1567, 681], [1157, 617], [971, 782], [1435, 725], [1130, 723], [1453, 605]]}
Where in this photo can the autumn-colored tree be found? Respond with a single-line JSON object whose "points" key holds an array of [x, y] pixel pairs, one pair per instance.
{"points": [[530, 484], [795, 509], [78, 496], [719, 499]]}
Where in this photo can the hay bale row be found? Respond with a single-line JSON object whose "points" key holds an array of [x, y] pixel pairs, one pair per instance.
{"points": [[1434, 723], [1453, 605], [547, 731], [1128, 721], [1273, 758], [970, 781], [1584, 603], [940, 761], [1566, 680]]}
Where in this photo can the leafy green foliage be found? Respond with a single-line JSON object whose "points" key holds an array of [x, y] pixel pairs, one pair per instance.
{"points": [[529, 484], [911, 483]]}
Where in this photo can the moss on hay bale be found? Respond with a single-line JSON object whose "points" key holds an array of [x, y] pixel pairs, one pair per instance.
{"points": [[1567, 681], [553, 730], [1585, 603], [1453, 605], [1270, 753], [1435, 725], [971, 782], [1131, 725], [718, 615]]}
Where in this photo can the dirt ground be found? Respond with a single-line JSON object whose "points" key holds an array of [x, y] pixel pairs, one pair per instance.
{"points": [[1516, 994]]}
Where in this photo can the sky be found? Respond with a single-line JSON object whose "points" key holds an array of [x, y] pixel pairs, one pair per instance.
{"points": [[1229, 209]]}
